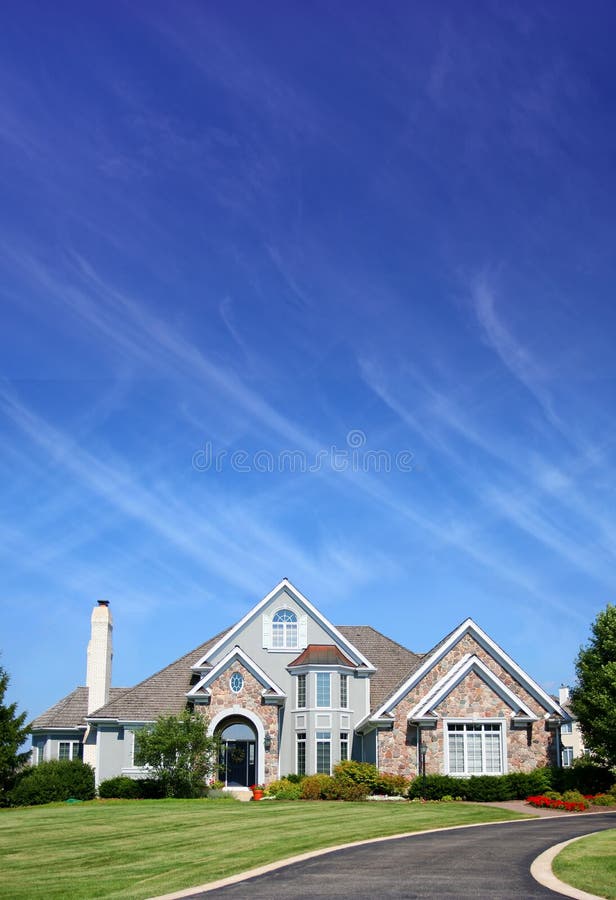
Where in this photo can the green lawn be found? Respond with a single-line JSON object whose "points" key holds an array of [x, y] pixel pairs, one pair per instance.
{"points": [[590, 864], [146, 847]]}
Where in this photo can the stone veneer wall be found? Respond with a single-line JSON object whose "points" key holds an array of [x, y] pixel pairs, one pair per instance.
{"points": [[526, 747], [249, 698]]}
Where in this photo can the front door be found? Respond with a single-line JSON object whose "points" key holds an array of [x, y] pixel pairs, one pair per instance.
{"points": [[238, 755]]}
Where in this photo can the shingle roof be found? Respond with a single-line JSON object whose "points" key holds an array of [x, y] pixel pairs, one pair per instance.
{"points": [[71, 711], [322, 655], [163, 693], [394, 663]]}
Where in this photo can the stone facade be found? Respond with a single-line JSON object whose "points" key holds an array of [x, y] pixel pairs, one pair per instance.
{"points": [[224, 700], [473, 698]]}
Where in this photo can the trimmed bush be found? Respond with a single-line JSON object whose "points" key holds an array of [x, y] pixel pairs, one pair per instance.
{"points": [[435, 787], [482, 788], [585, 777], [525, 784], [575, 797], [602, 800], [392, 785], [294, 779], [313, 786], [354, 792], [284, 789], [486, 788], [49, 782], [352, 772], [120, 788]]}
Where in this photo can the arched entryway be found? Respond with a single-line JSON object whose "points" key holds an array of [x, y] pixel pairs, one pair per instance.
{"points": [[238, 762]]}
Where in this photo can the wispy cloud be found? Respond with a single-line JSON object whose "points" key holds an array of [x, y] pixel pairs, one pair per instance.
{"points": [[514, 355]]}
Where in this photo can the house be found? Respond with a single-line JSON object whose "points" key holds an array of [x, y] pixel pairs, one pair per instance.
{"points": [[287, 691], [572, 739]]}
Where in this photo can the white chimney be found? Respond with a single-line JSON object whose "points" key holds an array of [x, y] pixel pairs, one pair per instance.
{"points": [[100, 654], [563, 694]]}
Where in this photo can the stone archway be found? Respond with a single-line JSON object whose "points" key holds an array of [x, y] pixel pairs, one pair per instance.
{"points": [[238, 752], [243, 727]]}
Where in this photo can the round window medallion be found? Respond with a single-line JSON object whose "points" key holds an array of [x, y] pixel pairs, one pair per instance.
{"points": [[236, 682]]}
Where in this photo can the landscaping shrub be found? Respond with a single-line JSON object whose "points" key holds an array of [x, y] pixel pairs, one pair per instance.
{"points": [[352, 792], [392, 785], [525, 784], [285, 789], [482, 788], [350, 771], [120, 788], [295, 779], [150, 789], [583, 776], [435, 787], [313, 786], [602, 799], [575, 797], [56, 780]]}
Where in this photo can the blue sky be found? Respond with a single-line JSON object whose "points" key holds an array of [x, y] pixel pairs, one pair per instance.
{"points": [[286, 231]]}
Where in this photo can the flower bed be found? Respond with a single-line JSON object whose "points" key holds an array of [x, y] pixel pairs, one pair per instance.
{"points": [[542, 802]]}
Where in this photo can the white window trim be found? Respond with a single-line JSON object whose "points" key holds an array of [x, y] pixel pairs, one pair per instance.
{"points": [[471, 721], [73, 754], [316, 690], [318, 741], [285, 645], [343, 678], [305, 679], [297, 744]]}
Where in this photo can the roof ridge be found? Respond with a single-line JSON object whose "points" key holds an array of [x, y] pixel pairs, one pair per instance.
{"points": [[200, 648], [387, 638]]}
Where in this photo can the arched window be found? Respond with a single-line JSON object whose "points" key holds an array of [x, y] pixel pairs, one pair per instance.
{"points": [[284, 629]]}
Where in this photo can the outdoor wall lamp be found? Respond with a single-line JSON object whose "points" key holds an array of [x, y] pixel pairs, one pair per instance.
{"points": [[424, 749], [267, 742]]}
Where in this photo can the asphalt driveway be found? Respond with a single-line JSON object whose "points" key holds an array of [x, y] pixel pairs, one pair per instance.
{"points": [[489, 861]]}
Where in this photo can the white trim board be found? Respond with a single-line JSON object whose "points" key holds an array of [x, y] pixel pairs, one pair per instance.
{"points": [[285, 585], [443, 687], [235, 654], [470, 627]]}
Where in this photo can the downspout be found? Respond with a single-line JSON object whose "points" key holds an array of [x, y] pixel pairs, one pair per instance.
{"points": [[418, 748]]}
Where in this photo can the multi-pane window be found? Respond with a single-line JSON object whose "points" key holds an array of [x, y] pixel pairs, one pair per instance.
{"points": [[474, 748], [566, 728], [323, 689], [344, 691], [301, 691], [70, 750], [567, 757], [300, 739], [284, 629], [324, 752], [344, 745]]}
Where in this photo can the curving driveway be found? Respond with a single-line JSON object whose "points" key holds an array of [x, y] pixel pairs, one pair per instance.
{"points": [[487, 861]]}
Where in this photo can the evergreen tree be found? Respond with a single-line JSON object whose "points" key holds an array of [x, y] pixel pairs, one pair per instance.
{"points": [[593, 699], [13, 733]]}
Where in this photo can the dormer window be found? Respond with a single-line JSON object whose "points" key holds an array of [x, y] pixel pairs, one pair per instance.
{"points": [[284, 630]]}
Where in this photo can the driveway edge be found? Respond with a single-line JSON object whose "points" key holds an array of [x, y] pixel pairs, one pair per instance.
{"points": [[291, 860], [541, 870]]}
